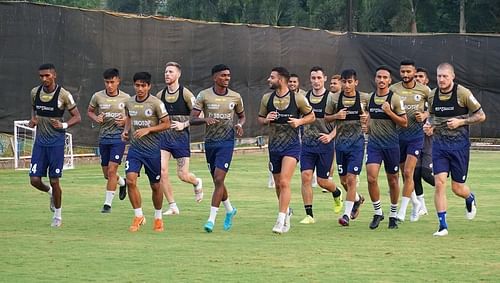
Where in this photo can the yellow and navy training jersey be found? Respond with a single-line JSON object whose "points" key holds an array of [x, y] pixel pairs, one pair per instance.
{"points": [[349, 134], [179, 105], [414, 100], [382, 131], [292, 105], [457, 103], [49, 106], [311, 132], [145, 114], [220, 107], [113, 107]]}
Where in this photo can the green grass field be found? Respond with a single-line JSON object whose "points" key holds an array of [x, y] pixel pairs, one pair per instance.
{"points": [[94, 247]]}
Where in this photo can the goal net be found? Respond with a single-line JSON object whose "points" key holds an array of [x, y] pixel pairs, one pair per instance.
{"points": [[24, 138]]}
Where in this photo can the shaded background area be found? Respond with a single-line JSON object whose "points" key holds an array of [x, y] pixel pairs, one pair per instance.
{"points": [[82, 43]]}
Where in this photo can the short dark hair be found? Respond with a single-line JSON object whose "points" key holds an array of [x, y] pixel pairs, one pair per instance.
{"points": [[294, 76], [47, 66], [219, 68], [348, 73], [407, 62], [423, 70], [143, 76], [111, 73], [383, 67], [317, 69], [282, 72]]}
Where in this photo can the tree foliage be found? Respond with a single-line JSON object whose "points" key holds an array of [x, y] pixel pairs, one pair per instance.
{"points": [[367, 15]]}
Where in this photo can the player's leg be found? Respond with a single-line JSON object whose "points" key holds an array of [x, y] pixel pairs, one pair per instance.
{"points": [[288, 164], [133, 166], [441, 167], [55, 155], [165, 184], [307, 194], [408, 169], [391, 166], [188, 177], [307, 163], [459, 166], [323, 165], [153, 171]]}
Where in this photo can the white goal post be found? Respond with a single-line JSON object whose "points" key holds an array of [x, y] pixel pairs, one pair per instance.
{"points": [[24, 138]]}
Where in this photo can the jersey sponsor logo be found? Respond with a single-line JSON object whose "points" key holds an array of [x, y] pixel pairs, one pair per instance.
{"points": [[104, 106], [121, 105], [148, 112], [112, 114], [213, 106], [223, 116], [417, 97], [44, 108], [353, 112], [411, 107], [444, 108], [142, 123], [376, 110], [132, 113]]}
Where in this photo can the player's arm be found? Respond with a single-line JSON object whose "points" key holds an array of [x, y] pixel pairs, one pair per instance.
{"points": [[126, 126], [305, 108], [327, 138], [195, 118], [91, 113], [241, 121], [304, 120], [395, 111], [75, 119]]}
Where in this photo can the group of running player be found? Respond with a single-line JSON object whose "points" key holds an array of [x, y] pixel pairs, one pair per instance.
{"points": [[306, 127]]}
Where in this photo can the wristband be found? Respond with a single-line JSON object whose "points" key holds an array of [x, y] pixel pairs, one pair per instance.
{"points": [[239, 125], [64, 125]]}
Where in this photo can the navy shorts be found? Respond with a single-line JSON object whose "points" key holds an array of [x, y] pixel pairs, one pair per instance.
{"points": [[412, 147], [390, 156], [111, 153], [276, 157], [47, 157], [177, 150], [321, 161], [219, 155], [454, 161], [152, 165], [349, 161]]}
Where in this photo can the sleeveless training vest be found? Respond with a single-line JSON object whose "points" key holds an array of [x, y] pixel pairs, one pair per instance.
{"points": [[318, 108], [353, 111], [48, 109], [179, 107], [292, 111], [376, 111], [450, 107]]}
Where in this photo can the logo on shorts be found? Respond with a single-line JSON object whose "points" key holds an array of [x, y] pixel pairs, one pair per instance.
{"points": [[396, 168], [148, 112], [430, 165], [157, 177], [464, 177], [58, 171], [271, 166], [417, 152], [226, 165], [117, 157], [356, 168]]}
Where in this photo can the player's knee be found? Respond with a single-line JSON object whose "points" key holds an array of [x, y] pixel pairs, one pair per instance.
{"points": [[408, 173], [183, 176], [36, 182], [323, 182], [372, 179], [54, 182], [131, 183]]}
